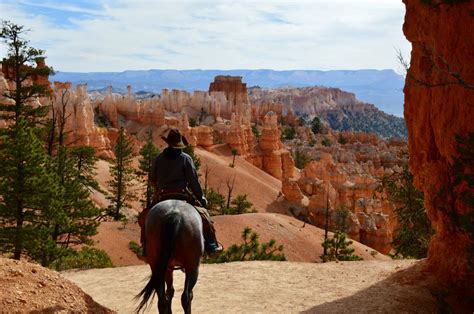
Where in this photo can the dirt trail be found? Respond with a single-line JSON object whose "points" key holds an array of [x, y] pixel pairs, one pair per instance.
{"points": [[274, 287]]}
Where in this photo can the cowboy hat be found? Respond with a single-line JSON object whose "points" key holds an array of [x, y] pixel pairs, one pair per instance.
{"points": [[175, 139]]}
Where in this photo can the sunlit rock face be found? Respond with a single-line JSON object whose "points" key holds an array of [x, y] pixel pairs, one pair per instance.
{"points": [[349, 188], [79, 118], [340, 109], [439, 104], [235, 92], [344, 177]]}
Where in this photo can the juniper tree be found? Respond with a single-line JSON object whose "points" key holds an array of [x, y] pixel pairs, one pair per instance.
{"points": [[148, 153], [122, 175]]}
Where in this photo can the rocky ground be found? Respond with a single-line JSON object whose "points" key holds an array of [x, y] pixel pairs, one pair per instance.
{"points": [[26, 287]]}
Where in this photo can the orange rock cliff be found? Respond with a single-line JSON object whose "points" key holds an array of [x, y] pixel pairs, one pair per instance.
{"points": [[439, 104]]}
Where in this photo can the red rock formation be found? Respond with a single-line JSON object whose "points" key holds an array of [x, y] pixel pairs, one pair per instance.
{"points": [[290, 118], [80, 126], [350, 188], [239, 135], [9, 72], [438, 106], [259, 110], [291, 191], [235, 92]]}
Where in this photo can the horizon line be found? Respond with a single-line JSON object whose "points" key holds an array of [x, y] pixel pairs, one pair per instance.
{"points": [[241, 69]]}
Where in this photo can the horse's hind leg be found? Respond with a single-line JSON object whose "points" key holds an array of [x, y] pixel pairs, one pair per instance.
{"points": [[187, 296], [162, 302], [169, 287]]}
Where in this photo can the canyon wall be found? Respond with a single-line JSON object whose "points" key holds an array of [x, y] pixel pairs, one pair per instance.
{"points": [[439, 105], [341, 110]]}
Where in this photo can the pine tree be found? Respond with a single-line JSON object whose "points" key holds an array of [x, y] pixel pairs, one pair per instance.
{"points": [[75, 219], [122, 175], [215, 202], [250, 250], [28, 192], [241, 206], [148, 153], [338, 248], [20, 61], [234, 153], [316, 125], [84, 160], [414, 233], [301, 158]]}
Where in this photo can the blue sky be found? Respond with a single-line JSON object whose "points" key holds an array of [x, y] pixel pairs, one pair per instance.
{"points": [[117, 35]]}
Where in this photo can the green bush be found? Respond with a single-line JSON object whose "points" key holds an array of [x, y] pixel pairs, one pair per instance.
{"points": [[342, 140], [303, 120], [326, 142], [135, 248], [87, 257], [192, 122], [301, 158], [288, 133], [250, 250], [241, 206], [316, 125], [215, 202], [414, 232], [338, 249], [256, 132]]}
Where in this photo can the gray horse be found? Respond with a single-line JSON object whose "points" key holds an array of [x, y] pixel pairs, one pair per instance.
{"points": [[173, 231]]}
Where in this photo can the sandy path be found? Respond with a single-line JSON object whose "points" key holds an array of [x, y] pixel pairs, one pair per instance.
{"points": [[272, 287]]}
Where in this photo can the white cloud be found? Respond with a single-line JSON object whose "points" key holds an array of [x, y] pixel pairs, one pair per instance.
{"points": [[120, 35]]}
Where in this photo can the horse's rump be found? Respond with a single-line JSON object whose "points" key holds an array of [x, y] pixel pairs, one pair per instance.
{"points": [[173, 231], [178, 222]]}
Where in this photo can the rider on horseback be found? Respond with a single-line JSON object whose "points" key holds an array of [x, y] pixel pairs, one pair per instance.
{"points": [[173, 176]]}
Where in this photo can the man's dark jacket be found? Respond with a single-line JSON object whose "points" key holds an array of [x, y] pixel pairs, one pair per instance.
{"points": [[175, 169]]}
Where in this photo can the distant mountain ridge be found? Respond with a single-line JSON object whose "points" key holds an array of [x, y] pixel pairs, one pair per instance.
{"points": [[383, 88]]}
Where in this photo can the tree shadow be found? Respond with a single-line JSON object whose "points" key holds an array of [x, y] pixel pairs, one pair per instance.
{"points": [[410, 290]]}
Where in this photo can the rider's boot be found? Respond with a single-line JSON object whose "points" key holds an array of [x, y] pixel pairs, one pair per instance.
{"points": [[211, 245]]}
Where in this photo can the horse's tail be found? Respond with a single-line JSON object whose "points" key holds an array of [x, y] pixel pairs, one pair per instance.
{"points": [[169, 232]]}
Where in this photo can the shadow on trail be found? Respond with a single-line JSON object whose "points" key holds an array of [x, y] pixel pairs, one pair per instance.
{"points": [[408, 291]]}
